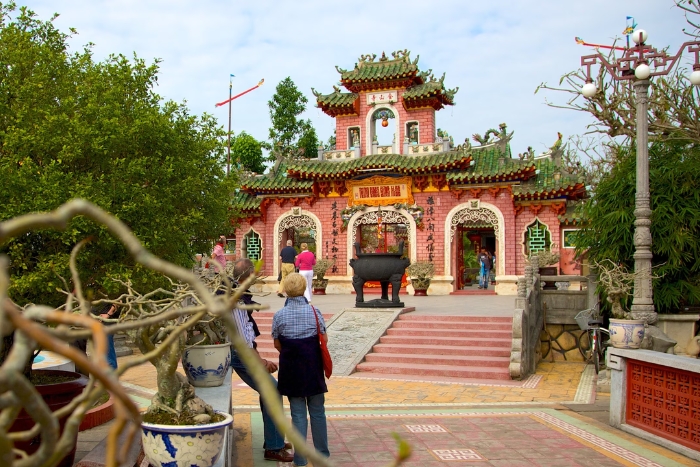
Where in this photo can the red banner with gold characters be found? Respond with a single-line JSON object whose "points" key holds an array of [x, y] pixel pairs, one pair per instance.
{"points": [[379, 191]]}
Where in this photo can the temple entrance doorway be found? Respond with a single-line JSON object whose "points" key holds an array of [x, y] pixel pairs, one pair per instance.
{"points": [[298, 229], [471, 237]]}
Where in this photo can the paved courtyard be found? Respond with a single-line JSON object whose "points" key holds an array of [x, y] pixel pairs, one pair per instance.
{"points": [[552, 418]]}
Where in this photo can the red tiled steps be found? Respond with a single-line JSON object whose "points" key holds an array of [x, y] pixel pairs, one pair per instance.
{"points": [[474, 347], [443, 350]]}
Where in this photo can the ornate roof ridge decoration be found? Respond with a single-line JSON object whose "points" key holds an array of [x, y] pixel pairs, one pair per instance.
{"points": [[432, 92], [400, 164], [385, 73]]}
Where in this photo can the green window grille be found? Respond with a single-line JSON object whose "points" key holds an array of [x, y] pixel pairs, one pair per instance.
{"points": [[253, 246], [538, 238]]}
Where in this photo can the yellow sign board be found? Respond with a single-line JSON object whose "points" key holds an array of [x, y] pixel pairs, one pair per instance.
{"points": [[379, 191]]}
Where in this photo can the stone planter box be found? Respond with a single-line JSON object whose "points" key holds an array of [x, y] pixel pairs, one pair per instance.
{"points": [[681, 328]]}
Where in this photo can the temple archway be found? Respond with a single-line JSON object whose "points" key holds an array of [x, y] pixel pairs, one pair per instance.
{"points": [[376, 114], [474, 212], [390, 215], [295, 218]]}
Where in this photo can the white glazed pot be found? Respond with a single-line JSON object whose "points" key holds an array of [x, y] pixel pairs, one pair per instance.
{"points": [[191, 445], [207, 365], [626, 333]]}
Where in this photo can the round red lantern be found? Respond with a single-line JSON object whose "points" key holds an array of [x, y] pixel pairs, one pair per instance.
{"points": [[385, 123]]}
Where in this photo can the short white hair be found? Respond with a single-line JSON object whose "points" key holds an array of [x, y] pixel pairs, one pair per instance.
{"points": [[289, 243]]}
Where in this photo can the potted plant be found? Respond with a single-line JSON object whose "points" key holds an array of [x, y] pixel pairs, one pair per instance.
{"points": [[207, 355], [320, 283], [625, 331], [546, 261], [470, 263], [420, 273]]}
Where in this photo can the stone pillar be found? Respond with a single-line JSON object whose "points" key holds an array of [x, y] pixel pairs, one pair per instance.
{"points": [[356, 150], [122, 345], [375, 145], [642, 301], [445, 143], [320, 153], [405, 145]]}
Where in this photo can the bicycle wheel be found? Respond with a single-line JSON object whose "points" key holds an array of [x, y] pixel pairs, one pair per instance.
{"points": [[587, 354], [595, 350]]}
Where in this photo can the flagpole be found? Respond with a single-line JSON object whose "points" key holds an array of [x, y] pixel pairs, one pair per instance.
{"points": [[229, 100], [230, 92]]}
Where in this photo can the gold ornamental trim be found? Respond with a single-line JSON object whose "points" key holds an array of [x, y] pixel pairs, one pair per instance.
{"points": [[380, 191]]}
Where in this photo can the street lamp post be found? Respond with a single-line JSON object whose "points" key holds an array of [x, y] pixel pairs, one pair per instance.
{"points": [[634, 65]]}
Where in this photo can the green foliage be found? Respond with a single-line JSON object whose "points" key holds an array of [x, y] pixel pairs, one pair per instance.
{"points": [[675, 201], [71, 127], [247, 151], [330, 144], [290, 135], [308, 142]]}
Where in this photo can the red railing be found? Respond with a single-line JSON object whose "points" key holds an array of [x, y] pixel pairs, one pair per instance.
{"points": [[664, 401]]}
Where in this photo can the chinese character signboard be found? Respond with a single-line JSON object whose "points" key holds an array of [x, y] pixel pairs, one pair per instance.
{"points": [[379, 191], [385, 97]]}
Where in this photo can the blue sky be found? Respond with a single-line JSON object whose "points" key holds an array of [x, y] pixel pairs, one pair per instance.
{"points": [[496, 52]]}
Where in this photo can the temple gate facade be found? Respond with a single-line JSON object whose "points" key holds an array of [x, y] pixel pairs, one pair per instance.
{"points": [[445, 201]]}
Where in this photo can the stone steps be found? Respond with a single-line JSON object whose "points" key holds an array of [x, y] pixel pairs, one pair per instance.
{"points": [[468, 347]]}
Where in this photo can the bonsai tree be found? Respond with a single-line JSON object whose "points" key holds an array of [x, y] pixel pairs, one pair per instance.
{"points": [[159, 318], [544, 258], [617, 284], [421, 272], [320, 268]]}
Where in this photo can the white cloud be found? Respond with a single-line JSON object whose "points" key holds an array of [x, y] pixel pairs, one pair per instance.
{"points": [[497, 53]]}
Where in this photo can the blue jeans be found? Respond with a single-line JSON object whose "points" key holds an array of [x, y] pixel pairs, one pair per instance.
{"points": [[111, 352], [317, 414], [274, 440]]}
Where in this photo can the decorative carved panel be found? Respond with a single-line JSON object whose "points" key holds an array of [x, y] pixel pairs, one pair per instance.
{"points": [[388, 217], [479, 216], [294, 222]]}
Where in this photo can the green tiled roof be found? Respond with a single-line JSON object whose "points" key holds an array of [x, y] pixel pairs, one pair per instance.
{"points": [[381, 70], [337, 99], [336, 103], [276, 183], [398, 163], [545, 186], [490, 164], [246, 202], [430, 89]]}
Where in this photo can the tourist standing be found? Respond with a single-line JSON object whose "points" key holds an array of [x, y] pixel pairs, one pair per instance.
{"points": [[218, 254], [275, 448], [301, 376], [485, 268], [287, 257], [305, 262], [108, 311]]}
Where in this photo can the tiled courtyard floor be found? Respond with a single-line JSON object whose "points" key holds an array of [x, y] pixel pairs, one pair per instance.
{"points": [[553, 418]]}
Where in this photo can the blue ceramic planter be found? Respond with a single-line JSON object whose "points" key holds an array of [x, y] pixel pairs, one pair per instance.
{"points": [[184, 446]]}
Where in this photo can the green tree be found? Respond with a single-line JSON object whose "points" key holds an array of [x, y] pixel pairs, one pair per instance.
{"points": [[291, 136], [675, 229], [248, 152], [308, 142], [72, 127]]}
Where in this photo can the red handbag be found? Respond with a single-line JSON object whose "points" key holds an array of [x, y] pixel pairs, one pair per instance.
{"points": [[325, 354]]}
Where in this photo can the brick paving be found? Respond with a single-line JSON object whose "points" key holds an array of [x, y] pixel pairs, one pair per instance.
{"points": [[554, 418]]}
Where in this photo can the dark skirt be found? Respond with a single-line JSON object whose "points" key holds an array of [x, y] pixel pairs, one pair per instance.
{"points": [[301, 368]]}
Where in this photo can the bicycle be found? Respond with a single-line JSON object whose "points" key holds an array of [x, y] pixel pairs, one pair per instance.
{"points": [[589, 320]]}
